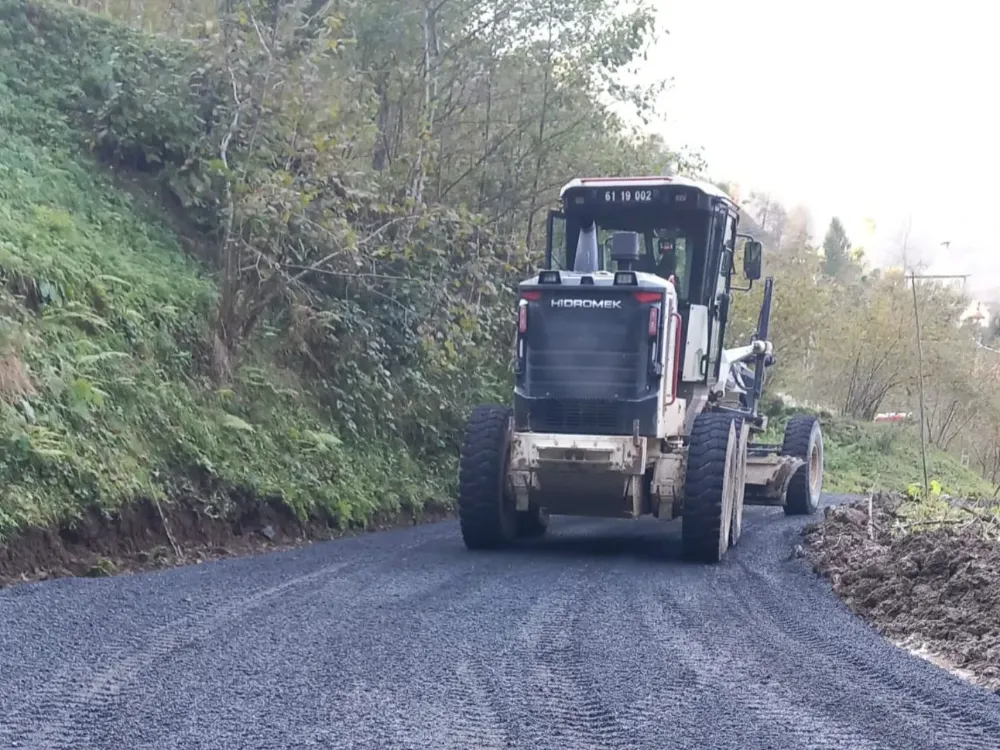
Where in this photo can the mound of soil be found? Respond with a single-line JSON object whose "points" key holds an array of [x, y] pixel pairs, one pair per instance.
{"points": [[934, 589]]}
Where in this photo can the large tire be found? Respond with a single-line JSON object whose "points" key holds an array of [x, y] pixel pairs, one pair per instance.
{"points": [[804, 439], [709, 486], [532, 523], [486, 511]]}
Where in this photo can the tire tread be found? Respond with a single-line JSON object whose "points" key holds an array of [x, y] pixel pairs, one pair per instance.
{"points": [[480, 480], [798, 432], [704, 486]]}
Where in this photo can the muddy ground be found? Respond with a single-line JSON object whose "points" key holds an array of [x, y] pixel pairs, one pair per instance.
{"points": [[148, 535], [932, 588]]}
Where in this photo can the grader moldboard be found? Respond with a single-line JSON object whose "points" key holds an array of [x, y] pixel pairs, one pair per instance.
{"points": [[624, 398]]}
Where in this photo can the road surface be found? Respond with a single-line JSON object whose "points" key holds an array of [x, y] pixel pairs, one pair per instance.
{"points": [[596, 637]]}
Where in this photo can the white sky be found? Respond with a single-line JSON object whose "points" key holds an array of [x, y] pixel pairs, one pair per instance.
{"points": [[878, 109]]}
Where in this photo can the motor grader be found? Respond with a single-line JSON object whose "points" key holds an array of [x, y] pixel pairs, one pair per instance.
{"points": [[626, 402]]}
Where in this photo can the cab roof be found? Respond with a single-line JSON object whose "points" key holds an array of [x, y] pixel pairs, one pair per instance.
{"points": [[651, 181]]}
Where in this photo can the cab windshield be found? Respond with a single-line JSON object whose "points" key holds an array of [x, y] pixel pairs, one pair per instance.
{"points": [[666, 251]]}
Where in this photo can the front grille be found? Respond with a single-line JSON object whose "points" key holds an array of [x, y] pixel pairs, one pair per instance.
{"points": [[611, 372], [585, 354], [584, 416]]}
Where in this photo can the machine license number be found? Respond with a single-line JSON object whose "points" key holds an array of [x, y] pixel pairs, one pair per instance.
{"points": [[627, 195]]}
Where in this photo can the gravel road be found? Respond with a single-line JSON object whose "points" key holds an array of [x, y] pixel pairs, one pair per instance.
{"points": [[595, 637]]}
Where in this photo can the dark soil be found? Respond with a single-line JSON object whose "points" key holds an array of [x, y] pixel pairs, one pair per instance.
{"points": [[932, 588], [148, 535]]}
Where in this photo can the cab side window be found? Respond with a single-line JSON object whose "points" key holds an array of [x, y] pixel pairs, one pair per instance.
{"points": [[670, 256], [729, 243], [721, 248], [556, 241], [683, 277]]}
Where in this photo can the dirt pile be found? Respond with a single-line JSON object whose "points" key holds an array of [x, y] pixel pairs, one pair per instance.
{"points": [[931, 587]]}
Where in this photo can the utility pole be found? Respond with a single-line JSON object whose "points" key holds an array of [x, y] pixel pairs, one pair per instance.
{"points": [[920, 364], [906, 240]]}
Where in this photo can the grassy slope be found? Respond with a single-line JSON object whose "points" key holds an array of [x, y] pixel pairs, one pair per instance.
{"points": [[887, 457], [861, 458], [102, 324]]}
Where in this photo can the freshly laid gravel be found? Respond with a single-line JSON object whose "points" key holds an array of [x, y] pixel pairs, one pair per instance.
{"points": [[595, 637]]}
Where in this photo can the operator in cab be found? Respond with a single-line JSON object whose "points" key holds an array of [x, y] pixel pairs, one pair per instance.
{"points": [[667, 264]]}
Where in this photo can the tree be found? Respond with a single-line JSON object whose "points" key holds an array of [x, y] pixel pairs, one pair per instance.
{"points": [[836, 249], [370, 176]]}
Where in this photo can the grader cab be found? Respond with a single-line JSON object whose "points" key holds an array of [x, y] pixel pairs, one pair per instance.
{"points": [[626, 401]]}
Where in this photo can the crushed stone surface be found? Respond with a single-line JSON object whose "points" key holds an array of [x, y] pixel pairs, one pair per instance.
{"points": [[597, 636]]}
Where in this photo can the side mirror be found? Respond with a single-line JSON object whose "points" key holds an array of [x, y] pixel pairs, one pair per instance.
{"points": [[753, 254]]}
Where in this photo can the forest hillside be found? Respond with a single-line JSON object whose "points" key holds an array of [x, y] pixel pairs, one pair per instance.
{"points": [[257, 263]]}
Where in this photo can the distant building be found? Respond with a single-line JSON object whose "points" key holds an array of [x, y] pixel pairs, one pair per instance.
{"points": [[978, 313]]}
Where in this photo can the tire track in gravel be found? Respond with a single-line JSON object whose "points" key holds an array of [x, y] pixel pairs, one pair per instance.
{"points": [[69, 696], [71, 693], [553, 682], [470, 704], [927, 711], [727, 652], [68, 693], [184, 644], [368, 603], [513, 690]]}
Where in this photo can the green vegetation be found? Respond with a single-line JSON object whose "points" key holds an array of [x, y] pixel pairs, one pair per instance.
{"points": [[104, 323], [845, 337], [105, 332], [862, 457], [270, 255]]}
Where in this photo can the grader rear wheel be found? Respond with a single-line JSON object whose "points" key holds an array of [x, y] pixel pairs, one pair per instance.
{"points": [[486, 510], [710, 494]]}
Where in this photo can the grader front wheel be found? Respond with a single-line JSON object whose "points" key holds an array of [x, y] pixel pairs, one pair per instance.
{"points": [[804, 439], [710, 492]]}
